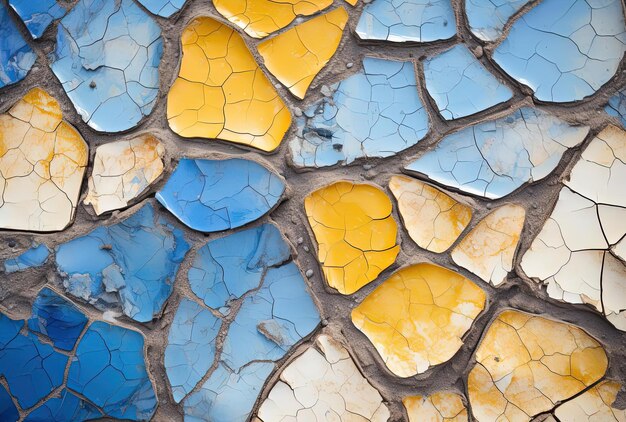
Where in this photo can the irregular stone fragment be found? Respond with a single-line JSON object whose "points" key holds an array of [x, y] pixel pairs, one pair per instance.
{"points": [[487, 18], [433, 219], [595, 405], [460, 84], [407, 21], [565, 50], [617, 106], [375, 113], [579, 252], [441, 406], [131, 264], [527, 364], [221, 92], [488, 250], [67, 407], [215, 195], [42, 161], [107, 57], [355, 233], [33, 257], [122, 171], [416, 319], [259, 18], [8, 411], [16, 56], [296, 56], [164, 8], [323, 381], [37, 15], [492, 159]]}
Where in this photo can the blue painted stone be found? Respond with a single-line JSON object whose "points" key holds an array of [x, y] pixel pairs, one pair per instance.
{"points": [[375, 113], [617, 106], [164, 8], [34, 257], [565, 50], [16, 56], [109, 370], [8, 411], [37, 15], [66, 408], [57, 318], [215, 195], [131, 264], [487, 18], [107, 58], [460, 84]]}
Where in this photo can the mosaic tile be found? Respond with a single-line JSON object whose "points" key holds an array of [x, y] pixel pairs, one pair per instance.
{"points": [[37, 15], [374, 113], [461, 85], [439, 407], [527, 364], [16, 56], [296, 56], [107, 57], [577, 253], [488, 250], [163, 8], [355, 233], [215, 195], [494, 158], [259, 18], [8, 411], [416, 319], [321, 382], [222, 93], [487, 19], [565, 50], [123, 171], [42, 161], [407, 21], [595, 405], [66, 407], [433, 219], [36, 256], [617, 106], [129, 265]]}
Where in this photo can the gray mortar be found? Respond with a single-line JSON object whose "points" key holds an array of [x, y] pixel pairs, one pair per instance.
{"points": [[18, 290]]}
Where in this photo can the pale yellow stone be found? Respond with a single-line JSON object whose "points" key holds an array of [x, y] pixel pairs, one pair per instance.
{"points": [[439, 407], [595, 405]]}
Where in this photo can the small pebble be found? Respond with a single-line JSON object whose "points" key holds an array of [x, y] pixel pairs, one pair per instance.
{"points": [[306, 248], [297, 111], [349, 65], [92, 84], [367, 166], [478, 52], [309, 273], [300, 241], [326, 91]]}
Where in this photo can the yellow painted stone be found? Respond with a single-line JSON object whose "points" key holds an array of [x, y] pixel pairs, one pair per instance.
{"points": [[42, 162], [352, 2], [355, 233], [221, 92], [595, 405], [259, 18], [442, 406], [416, 319], [526, 364], [297, 55], [433, 219]]}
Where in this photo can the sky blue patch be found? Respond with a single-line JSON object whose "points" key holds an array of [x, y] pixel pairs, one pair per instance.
{"points": [[215, 195], [33, 257], [66, 408], [37, 15], [16, 56], [109, 370], [487, 18], [617, 106], [8, 411], [565, 50], [375, 113], [460, 84], [131, 264], [164, 8], [107, 58], [407, 20]]}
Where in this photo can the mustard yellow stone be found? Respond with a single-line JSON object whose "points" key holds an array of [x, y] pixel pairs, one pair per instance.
{"points": [[526, 364], [42, 162], [595, 405], [355, 233], [442, 406], [433, 219], [416, 319], [352, 2], [259, 18], [221, 92], [297, 55]]}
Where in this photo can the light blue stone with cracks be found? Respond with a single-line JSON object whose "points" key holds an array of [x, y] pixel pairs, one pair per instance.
{"points": [[37, 15], [68, 407], [164, 8], [487, 18], [16, 56], [33, 257], [617, 106]]}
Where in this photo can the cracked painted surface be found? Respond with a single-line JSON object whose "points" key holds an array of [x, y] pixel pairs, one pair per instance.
{"points": [[441, 406], [67, 407], [37, 15], [617, 106], [164, 8], [16, 56], [8, 411], [36, 256], [487, 19], [595, 405]]}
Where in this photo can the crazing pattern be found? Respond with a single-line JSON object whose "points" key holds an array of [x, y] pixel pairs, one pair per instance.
{"points": [[441, 406]]}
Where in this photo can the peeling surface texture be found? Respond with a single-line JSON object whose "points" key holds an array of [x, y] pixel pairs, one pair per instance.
{"points": [[215, 195], [42, 161], [617, 106], [407, 21], [433, 219], [439, 407], [221, 92], [595, 405], [492, 159], [296, 56], [580, 250], [130, 265], [66, 407], [33, 257], [16, 56], [37, 15], [259, 18], [122, 171], [355, 233], [375, 113], [323, 384], [416, 319], [488, 250], [461, 85], [526, 364], [107, 57], [565, 50], [163, 8], [486, 19]]}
